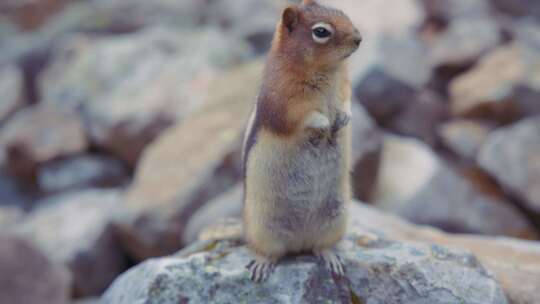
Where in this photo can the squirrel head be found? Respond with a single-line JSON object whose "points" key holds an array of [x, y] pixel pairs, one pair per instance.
{"points": [[316, 36]]}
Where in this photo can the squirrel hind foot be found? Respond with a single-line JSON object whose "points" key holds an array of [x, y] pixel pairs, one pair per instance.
{"points": [[333, 261], [260, 269]]}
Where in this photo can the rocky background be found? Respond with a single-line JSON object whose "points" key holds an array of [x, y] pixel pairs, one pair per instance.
{"points": [[120, 130]]}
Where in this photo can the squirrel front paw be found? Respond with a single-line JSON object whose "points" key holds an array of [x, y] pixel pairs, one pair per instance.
{"points": [[342, 120], [318, 127]]}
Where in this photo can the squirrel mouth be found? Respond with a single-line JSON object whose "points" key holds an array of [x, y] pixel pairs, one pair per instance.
{"points": [[349, 54]]}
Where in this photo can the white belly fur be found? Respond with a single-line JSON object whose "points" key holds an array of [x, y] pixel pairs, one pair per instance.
{"points": [[294, 188]]}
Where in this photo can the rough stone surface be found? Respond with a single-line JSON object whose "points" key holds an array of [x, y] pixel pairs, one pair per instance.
{"points": [[383, 272], [73, 229], [11, 89], [188, 165], [516, 264], [512, 156], [464, 137], [81, 171], [39, 134], [416, 184], [28, 276], [131, 88], [505, 85]]}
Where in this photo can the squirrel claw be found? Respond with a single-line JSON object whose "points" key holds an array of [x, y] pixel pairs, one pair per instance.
{"points": [[260, 270], [342, 120], [332, 261]]}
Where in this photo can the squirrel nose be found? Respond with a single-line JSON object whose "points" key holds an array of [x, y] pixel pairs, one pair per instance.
{"points": [[357, 38]]}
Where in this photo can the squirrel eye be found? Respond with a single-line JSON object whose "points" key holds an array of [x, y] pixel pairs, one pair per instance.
{"points": [[322, 32]]}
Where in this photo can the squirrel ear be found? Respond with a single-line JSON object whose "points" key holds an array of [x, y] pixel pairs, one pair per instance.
{"points": [[290, 18]]}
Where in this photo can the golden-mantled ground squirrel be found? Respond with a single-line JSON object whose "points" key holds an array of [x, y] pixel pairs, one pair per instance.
{"points": [[296, 149]]}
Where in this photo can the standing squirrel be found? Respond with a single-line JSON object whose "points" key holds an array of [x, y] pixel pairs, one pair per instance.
{"points": [[296, 149]]}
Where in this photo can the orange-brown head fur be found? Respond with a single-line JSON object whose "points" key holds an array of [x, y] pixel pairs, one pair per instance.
{"points": [[299, 67], [294, 41]]}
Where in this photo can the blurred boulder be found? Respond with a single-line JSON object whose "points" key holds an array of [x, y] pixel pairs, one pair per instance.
{"points": [[517, 8], [416, 184], [31, 14], [526, 31], [380, 272], [130, 88], [11, 89], [463, 41], [81, 171], [10, 193], [464, 137], [142, 13], [512, 156], [9, 216], [188, 165], [388, 68], [421, 116], [73, 229], [89, 301], [449, 10], [27, 276], [504, 86], [39, 134], [219, 209], [366, 152], [250, 20], [7, 30]]}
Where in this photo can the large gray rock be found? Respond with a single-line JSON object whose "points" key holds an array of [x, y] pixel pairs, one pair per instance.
{"points": [[512, 156], [73, 230], [27, 276], [416, 184], [130, 88], [39, 134], [385, 271]]}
